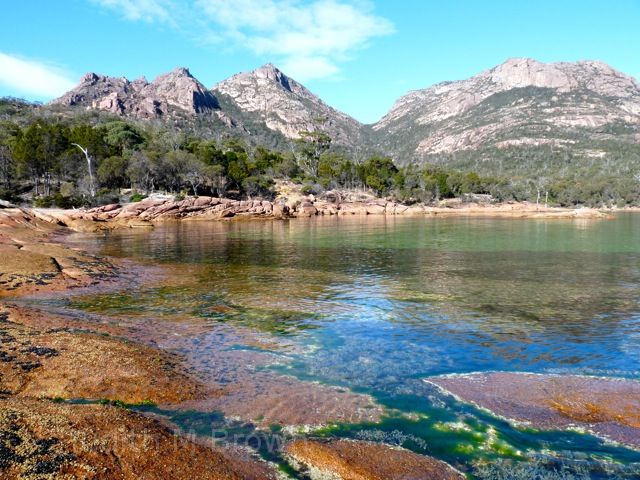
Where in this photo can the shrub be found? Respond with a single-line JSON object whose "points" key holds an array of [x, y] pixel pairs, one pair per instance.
{"points": [[136, 197], [9, 195]]}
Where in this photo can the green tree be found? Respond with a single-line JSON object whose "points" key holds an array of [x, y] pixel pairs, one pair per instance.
{"points": [[123, 136], [378, 173], [112, 172], [37, 150], [311, 146], [141, 172], [215, 177]]}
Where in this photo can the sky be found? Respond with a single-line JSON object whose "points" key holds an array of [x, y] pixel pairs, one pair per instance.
{"points": [[359, 56]]}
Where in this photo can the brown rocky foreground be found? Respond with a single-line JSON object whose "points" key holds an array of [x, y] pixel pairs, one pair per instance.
{"points": [[42, 439], [608, 407], [62, 363], [147, 211], [358, 460], [43, 357], [31, 261]]}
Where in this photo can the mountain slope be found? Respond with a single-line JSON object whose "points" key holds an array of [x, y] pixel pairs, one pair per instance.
{"points": [[268, 96], [488, 122], [521, 103]]}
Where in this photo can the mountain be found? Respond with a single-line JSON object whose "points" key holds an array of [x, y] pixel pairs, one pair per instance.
{"points": [[489, 122], [521, 103], [264, 104], [268, 96], [172, 93]]}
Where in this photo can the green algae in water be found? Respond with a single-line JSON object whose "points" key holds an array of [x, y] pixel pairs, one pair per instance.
{"points": [[378, 303], [187, 302]]}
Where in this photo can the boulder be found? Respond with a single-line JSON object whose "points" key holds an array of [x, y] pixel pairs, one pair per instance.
{"points": [[280, 210], [202, 202], [306, 209], [352, 209], [414, 210]]}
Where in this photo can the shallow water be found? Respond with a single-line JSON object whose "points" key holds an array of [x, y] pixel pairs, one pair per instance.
{"points": [[376, 304]]}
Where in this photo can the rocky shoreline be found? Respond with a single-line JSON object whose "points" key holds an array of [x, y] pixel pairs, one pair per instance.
{"points": [[153, 210], [47, 359]]}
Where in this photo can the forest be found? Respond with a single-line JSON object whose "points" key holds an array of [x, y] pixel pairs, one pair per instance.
{"points": [[74, 160]]}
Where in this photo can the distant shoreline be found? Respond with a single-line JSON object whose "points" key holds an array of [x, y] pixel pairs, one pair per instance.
{"points": [[152, 210]]}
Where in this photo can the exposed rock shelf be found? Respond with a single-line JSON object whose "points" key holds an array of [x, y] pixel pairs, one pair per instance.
{"points": [[608, 407], [357, 460], [145, 212]]}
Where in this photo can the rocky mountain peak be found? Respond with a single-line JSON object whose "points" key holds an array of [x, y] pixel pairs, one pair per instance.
{"points": [[519, 102], [273, 74], [169, 93], [181, 90], [181, 71], [268, 69], [527, 72], [90, 78], [284, 105]]}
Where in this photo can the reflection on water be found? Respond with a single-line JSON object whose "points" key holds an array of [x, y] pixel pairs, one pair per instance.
{"points": [[375, 304]]}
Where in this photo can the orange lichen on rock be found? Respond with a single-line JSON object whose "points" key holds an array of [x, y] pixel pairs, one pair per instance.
{"points": [[358, 460], [600, 409], [60, 363], [607, 406], [41, 439]]}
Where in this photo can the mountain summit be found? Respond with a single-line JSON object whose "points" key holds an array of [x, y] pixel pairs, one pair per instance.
{"points": [[176, 91], [521, 101], [284, 105], [264, 103]]}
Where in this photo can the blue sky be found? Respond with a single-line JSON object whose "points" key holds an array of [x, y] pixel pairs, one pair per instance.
{"points": [[358, 55]]}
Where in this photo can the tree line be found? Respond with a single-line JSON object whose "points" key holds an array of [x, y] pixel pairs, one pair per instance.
{"points": [[69, 162]]}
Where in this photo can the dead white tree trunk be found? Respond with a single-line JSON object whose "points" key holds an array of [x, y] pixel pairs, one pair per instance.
{"points": [[92, 189]]}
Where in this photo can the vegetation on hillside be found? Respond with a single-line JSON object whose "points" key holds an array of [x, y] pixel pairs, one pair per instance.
{"points": [[42, 160]]}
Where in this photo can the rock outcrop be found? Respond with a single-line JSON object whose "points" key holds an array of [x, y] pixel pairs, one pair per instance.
{"points": [[151, 210], [173, 92], [42, 439], [29, 261], [44, 362]]}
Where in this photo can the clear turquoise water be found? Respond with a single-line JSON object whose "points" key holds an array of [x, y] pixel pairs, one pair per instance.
{"points": [[378, 304]]}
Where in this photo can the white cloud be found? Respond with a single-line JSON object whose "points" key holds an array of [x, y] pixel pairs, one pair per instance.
{"points": [[145, 10], [305, 68], [309, 38], [33, 77]]}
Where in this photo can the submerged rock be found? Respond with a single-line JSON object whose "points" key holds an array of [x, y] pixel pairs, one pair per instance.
{"points": [[606, 406], [358, 460]]}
